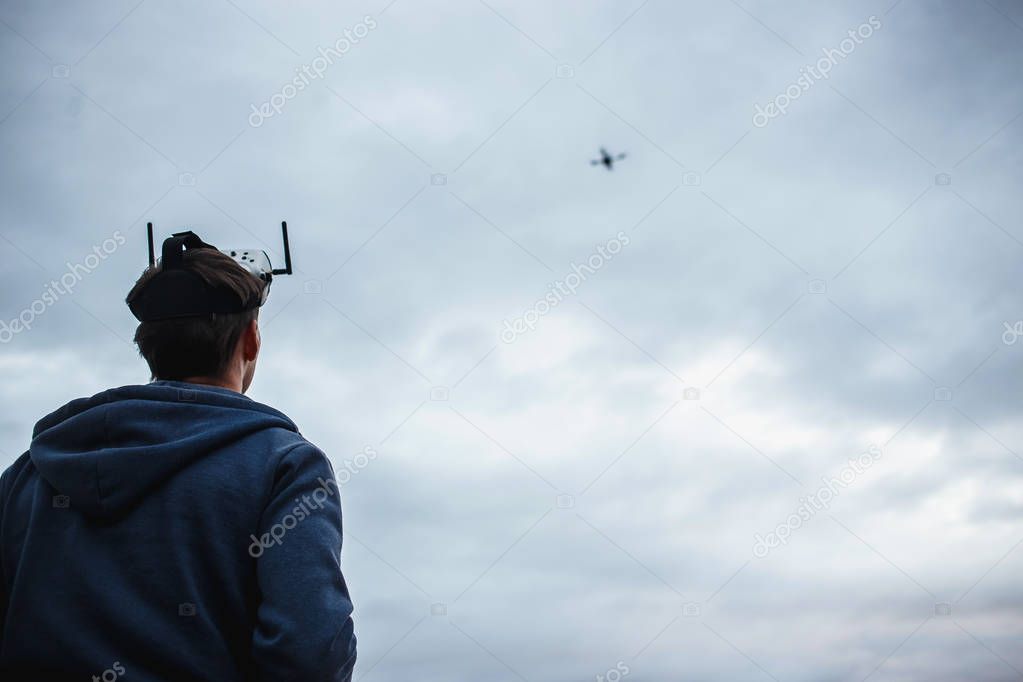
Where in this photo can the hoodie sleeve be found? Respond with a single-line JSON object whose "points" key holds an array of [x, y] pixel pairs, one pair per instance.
{"points": [[304, 628]]}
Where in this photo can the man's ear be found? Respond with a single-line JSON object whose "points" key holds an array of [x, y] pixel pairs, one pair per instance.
{"points": [[250, 341]]}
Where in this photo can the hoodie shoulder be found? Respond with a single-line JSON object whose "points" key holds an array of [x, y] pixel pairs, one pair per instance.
{"points": [[165, 392], [107, 451]]}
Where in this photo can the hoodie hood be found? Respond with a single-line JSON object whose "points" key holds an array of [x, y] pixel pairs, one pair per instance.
{"points": [[107, 451]]}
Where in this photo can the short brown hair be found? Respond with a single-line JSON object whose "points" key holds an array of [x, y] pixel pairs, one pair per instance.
{"points": [[202, 345]]}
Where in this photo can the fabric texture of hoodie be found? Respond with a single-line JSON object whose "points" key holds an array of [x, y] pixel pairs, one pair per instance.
{"points": [[179, 531]]}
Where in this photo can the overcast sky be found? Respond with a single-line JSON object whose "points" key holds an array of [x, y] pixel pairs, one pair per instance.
{"points": [[584, 498]]}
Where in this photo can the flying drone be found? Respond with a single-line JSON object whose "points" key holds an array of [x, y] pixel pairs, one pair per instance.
{"points": [[606, 159]]}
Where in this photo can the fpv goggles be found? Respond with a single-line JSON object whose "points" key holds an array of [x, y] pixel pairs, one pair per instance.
{"points": [[176, 292]]}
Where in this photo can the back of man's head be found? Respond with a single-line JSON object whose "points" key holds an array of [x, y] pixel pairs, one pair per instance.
{"points": [[197, 346]]}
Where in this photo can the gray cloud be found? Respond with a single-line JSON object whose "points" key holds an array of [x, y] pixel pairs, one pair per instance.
{"points": [[411, 275]]}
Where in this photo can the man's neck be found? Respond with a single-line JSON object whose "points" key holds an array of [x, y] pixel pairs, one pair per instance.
{"points": [[230, 383]]}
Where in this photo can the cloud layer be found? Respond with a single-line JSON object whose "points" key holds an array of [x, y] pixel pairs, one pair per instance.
{"points": [[587, 496]]}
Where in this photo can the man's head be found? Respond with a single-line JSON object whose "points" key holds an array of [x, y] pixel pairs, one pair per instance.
{"points": [[217, 348]]}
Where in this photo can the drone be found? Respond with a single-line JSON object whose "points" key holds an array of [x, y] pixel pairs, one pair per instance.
{"points": [[606, 159]]}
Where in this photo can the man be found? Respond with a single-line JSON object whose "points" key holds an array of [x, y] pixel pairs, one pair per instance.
{"points": [[177, 530]]}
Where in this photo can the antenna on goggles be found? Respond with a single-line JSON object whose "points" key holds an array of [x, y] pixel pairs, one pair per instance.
{"points": [[286, 270]]}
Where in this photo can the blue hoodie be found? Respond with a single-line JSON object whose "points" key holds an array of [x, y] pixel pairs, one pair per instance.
{"points": [[172, 531]]}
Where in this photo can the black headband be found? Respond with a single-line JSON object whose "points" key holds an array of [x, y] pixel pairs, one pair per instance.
{"points": [[176, 292]]}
